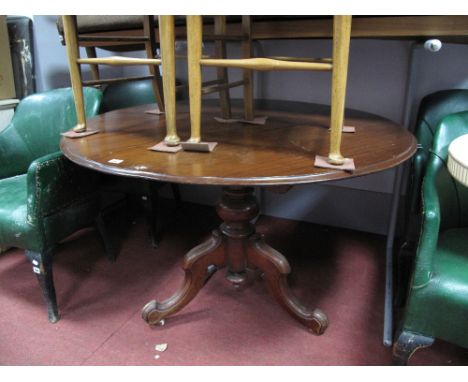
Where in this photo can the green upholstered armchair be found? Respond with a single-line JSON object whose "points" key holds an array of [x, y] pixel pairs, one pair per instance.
{"points": [[432, 109], [437, 303], [126, 94], [43, 196]]}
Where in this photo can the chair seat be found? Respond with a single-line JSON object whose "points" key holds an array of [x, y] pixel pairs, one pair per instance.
{"points": [[110, 23], [13, 211]]}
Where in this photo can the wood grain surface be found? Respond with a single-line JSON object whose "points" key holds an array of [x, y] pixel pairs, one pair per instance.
{"points": [[281, 152]]}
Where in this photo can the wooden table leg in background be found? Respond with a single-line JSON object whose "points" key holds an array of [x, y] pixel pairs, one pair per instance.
{"points": [[236, 246]]}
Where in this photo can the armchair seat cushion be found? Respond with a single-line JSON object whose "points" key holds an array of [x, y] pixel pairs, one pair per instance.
{"points": [[13, 211]]}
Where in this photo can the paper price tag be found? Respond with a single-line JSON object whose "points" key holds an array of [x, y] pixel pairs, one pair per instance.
{"points": [[116, 161]]}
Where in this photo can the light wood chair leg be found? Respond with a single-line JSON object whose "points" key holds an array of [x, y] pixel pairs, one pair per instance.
{"points": [[194, 50], [247, 74], [73, 54], [91, 53], [167, 38], [341, 38], [150, 48], [222, 73]]}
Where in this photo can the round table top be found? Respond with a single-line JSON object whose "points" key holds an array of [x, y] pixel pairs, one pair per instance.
{"points": [[458, 159], [281, 152]]}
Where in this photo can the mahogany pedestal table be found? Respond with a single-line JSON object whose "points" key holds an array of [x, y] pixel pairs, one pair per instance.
{"points": [[279, 153]]}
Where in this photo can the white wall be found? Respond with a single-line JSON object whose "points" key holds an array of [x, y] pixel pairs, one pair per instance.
{"points": [[378, 74]]}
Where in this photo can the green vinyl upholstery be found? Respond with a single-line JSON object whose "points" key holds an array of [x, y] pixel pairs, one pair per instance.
{"points": [[437, 303], [432, 109], [43, 196], [127, 94]]}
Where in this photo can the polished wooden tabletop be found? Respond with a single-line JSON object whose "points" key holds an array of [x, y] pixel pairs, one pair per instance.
{"points": [[281, 152]]}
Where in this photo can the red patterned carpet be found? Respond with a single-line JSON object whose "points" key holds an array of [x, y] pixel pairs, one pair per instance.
{"points": [[337, 270]]}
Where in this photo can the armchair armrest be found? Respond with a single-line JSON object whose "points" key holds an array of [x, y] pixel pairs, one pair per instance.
{"points": [[54, 183], [429, 231]]}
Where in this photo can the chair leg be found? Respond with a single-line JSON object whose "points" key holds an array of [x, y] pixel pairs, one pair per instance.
{"points": [[42, 267], [222, 73], [341, 38], [150, 48], [406, 345], [167, 38], [176, 192], [194, 51], [91, 53], [247, 73], [152, 211], [106, 237], [73, 54]]}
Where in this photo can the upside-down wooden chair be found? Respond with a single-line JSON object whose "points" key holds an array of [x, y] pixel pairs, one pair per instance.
{"points": [[167, 40], [85, 25], [222, 84], [166, 28], [338, 64]]}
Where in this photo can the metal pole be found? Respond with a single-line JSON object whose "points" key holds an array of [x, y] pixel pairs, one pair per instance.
{"points": [[432, 45]]}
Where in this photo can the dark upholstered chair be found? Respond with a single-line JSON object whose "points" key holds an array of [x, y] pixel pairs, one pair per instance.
{"points": [[127, 94], [437, 302], [43, 196]]}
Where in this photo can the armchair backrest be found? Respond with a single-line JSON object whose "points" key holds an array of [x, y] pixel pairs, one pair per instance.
{"points": [[127, 94], [452, 196], [36, 126]]}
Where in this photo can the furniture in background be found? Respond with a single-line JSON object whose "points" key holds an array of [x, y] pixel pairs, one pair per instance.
{"points": [[278, 153], [437, 302], [20, 31], [448, 28], [43, 196], [72, 27], [166, 26], [126, 94], [7, 81], [123, 95], [338, 64], [432, 109], [93, 25]]}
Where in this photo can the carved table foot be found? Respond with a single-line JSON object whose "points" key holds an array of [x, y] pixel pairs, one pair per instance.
{"points": [[199, 265], [276, 269]]}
